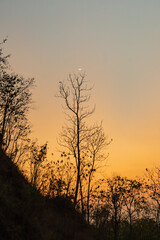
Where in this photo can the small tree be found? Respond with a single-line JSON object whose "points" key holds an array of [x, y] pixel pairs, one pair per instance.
{"points": [[82, 141], [111, 192], [61, 177], [38, 155], [153, 190], [15, 100], [95, 145], [133, 200], [3, 59], [73, 137]]}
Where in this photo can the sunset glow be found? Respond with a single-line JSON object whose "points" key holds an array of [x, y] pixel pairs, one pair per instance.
{"points": [[116, 43]]}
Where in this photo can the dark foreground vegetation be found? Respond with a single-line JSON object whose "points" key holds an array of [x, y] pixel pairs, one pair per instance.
{"points": [[27, 214], [65, 199]]}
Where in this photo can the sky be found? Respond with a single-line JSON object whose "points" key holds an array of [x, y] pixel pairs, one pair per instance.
{"points": [[117, 44]]}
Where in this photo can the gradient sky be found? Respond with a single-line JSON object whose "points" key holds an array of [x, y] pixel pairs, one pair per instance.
{"points": [[117, 43]]}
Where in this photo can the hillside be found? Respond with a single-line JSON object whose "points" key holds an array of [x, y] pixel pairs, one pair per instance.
{"points": [[26, 214]]}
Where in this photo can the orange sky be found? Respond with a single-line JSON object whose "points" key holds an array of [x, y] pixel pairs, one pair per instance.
{"points": [[117, 44]]}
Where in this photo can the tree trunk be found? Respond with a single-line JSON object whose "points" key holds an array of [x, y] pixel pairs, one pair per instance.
{"points": [[81, 193], [115, 226], [3, 124], [78, 159], [88, 199], [77, 184], [130, 226]]}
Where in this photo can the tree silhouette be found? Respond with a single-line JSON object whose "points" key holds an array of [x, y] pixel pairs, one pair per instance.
{"points": [[85, 143], [3, 59], [153, 190], [75, 94], [95, 146], [15, 102], [133, 200], [38, 155]]}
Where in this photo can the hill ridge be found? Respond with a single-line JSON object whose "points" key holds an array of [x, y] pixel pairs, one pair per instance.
{"points": [[26, 214]]}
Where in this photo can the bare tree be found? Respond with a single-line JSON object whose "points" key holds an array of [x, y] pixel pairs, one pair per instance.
{"points": [[15, 100], [74, 135], [153, 190], [96, 143], [38, 155], [61, 177], [133, 200], [113, 194], [3, 59]]}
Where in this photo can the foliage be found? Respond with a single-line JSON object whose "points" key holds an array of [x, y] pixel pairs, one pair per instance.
{"points": [[15, 102]]}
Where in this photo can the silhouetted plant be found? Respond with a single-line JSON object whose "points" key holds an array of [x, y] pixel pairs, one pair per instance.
{"points": [[83, 142], [75, 95], [133, 201], [153, 191], [38, 155], [15, 102], [62, 177], [3, 59]]}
